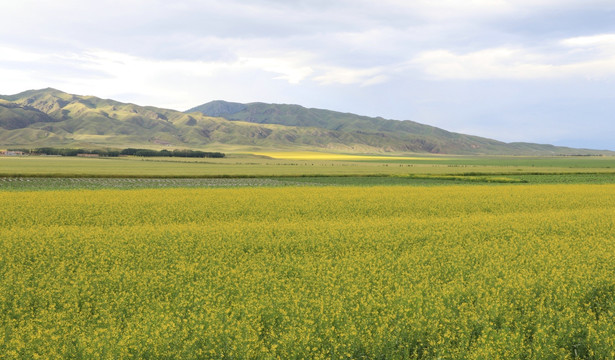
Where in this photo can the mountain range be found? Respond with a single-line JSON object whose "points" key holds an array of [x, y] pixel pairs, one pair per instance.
{"points": [[50, 117]]}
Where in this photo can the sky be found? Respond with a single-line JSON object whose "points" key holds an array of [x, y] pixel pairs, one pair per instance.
{"points": [[513, 70]]}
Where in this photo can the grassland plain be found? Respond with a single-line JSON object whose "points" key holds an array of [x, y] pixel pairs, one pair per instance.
{"points": [[296, 168], [250, 166], [395, 272]]}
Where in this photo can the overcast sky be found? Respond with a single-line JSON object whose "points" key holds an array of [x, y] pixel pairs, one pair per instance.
{"points": [[513, 70]]}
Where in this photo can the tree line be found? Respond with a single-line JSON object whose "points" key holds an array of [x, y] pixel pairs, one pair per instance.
{"points": [[174, 153], [124, 152]]}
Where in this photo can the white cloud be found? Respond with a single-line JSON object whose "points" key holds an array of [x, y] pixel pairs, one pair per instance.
{"points": [[172, 83], [602, 42], [496, 63], [289, 68], [17, 55], [348, 76], [588, 56]]}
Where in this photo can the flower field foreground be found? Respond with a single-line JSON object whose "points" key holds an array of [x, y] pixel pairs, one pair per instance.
{"points": [[481, 272]]}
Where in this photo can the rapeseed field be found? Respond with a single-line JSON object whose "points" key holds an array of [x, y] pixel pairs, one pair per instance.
{"points": [[312, 155], [392, 272]]}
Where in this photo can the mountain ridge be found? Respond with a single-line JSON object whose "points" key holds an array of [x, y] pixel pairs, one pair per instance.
{"points": [[50, 117], [257, 112]]}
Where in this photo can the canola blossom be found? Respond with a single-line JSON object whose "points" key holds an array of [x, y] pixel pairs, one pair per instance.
{"points": [[312, 155], [395, 272]]}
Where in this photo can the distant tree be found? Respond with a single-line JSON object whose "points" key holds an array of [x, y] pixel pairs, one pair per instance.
{"points": [[129, 151]]}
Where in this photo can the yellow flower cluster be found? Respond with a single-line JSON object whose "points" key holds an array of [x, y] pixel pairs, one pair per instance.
{"points": [[477, 272]]}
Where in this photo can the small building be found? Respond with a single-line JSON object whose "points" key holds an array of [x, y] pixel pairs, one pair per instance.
{"points": [[11, 153]]}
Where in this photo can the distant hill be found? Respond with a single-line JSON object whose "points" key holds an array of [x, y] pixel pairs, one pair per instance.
{"points": [[388, 135], [50, 117]]}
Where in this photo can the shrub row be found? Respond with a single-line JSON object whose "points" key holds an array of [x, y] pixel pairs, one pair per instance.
{"points": [[129, 151]]}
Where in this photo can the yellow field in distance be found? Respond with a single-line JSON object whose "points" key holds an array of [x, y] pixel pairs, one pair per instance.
{"points": [[313, 155]]}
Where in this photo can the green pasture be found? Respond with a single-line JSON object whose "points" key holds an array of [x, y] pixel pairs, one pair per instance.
{"points": [[597, 162], [252, 166]]}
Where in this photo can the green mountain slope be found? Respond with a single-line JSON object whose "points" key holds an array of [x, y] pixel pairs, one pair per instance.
{"points": [[51, 117], [390, 135]]}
